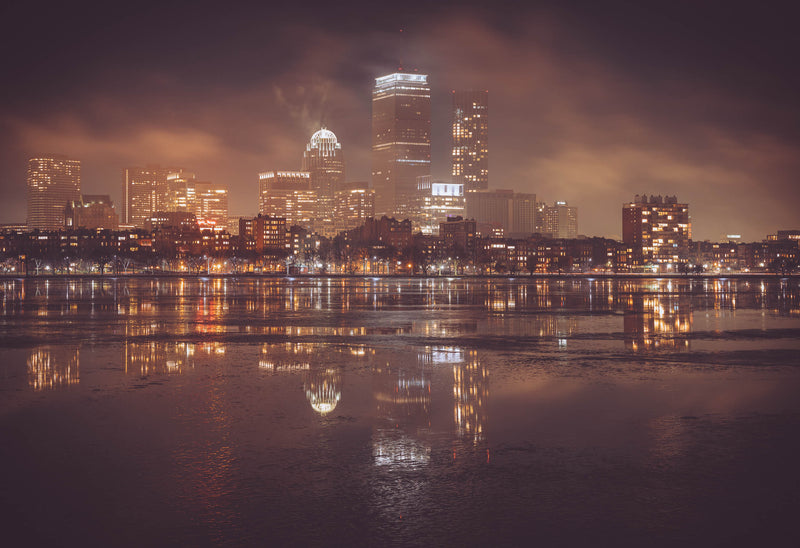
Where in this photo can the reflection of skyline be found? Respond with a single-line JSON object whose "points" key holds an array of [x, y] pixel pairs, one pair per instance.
{"points": [[148, 314], [165, 357], [657, 322], [470, 395], [202, 303], [53, 367]]}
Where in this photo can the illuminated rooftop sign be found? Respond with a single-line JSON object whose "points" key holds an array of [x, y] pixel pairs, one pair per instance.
{"points": [[447, 189], [401, 77]]}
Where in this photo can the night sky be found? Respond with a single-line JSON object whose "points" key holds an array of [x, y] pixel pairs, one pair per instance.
{"points": [[590, 102]]}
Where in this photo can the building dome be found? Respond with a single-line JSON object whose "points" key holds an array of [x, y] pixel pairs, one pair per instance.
{"points": [[325, 141]]}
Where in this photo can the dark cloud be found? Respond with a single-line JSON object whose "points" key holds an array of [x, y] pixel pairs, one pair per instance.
{"points": [[592, 104]]}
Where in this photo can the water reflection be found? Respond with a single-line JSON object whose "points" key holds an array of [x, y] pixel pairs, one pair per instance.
{"points": [[470, 394], [164, 325], [379, 400], [323, 387], [53, 367], [402, 391], [165, 357], [657, 322]]}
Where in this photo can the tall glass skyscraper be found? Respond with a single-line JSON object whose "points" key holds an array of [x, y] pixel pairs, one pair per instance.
{"points": [[401, 140], [53, 181], [471, 139]]}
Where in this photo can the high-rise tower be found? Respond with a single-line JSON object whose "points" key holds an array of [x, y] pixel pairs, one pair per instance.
{"points": [[53, 181], [401, 140], [656, 231], [324, 162], [144, 191], [471, 139]]}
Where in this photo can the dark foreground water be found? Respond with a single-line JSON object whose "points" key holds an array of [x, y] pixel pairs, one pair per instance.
{"points": [[139, 412]]}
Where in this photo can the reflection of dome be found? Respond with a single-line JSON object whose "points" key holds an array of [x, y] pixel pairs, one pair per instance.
{"points": [[322, 390]]}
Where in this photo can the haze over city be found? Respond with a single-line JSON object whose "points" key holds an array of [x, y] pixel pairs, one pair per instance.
{"points": [[591, 105]]}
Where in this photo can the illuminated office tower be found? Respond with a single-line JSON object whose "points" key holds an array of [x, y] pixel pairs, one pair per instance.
{"points": [[144, 191], [53, 181], [471, 139], [324, 162], [656, 231], [181, 192], [208, 201], [211, 203], [288, 194], [354, 204], [401, 140], [561, 220], [438, 201]]}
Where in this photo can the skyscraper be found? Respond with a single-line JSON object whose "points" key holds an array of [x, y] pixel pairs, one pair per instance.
{"points": [[287, 194], [144, 191], [324, 162], [502, 210], [656, 231], [354, 204], [561, 220], [53, 181], [438, 201], [401, 140], [208, 201], [471, 139]]}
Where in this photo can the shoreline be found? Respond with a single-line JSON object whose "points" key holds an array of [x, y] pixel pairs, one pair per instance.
{"points": [[540, 276]]}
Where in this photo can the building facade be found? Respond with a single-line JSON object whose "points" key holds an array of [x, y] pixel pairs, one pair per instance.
{"points": [[264, 234], [656, 231], [288, 194], [502, 212], [471, 139], [53, 182], [208, 201], [561, 220], [324, 162], [354, 204], [401, 140], [438, 200], [92, 211], [144, 191]]}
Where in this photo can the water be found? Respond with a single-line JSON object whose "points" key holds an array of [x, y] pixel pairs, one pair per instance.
{"points": [[399, 412]]}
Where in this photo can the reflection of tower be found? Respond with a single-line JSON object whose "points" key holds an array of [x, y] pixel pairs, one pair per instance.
{"points": [[470, 394], [403, 404], [657, 322], [53, 367], [323, 389], [157, 357]]}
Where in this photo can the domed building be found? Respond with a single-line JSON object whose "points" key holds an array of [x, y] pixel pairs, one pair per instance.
{"points": [[324, 161]]}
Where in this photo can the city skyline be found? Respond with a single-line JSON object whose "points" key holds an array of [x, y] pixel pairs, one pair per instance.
{"points": [[588, 108]]}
